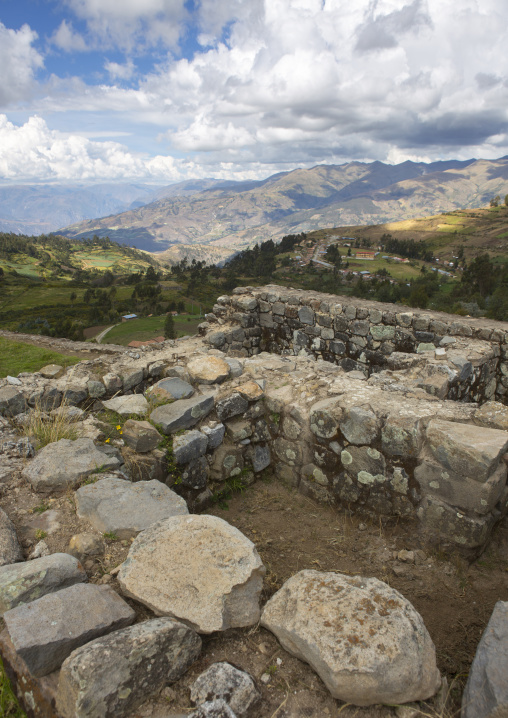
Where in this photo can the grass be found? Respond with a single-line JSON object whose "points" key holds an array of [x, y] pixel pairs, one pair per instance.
{"points": [[9, 706], [17, 356], [46, 430]]}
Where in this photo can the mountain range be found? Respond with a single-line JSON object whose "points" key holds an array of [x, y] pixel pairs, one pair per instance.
{"points": [[212, 219]]}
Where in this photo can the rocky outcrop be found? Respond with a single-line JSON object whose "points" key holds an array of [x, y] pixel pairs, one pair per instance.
{"points": [[366, 641], [203, 552]]}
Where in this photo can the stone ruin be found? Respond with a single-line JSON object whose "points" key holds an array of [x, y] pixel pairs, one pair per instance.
{"points": [[396, 414]]}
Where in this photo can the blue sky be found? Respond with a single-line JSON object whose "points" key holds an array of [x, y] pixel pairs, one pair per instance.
{"points": [[165, 90]]}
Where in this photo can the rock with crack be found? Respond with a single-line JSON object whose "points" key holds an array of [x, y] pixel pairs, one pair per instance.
{"points": [[146, 657], [197, 569], [140, 436], [65, 464], [124, 508], [365, 641], [24, 582], [224, 681]]}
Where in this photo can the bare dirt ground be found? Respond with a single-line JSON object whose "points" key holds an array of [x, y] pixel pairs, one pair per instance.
{"points": [[291, 533]]}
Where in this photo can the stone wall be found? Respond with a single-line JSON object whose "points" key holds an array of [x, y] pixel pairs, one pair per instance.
{"points": [[360, 335], [392, 444]]}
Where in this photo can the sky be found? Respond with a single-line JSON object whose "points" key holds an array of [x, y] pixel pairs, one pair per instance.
{"points": [[161, 91]]}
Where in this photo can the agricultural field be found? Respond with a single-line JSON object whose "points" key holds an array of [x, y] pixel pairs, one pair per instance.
{"points": [[18, 356], [150, 327]]}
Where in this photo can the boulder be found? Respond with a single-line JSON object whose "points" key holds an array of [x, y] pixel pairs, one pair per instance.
{"points": [[324, 418], [203, 552], [24, 582], [124, 508], [208, 370], [10, 550], [146, 657], [46, 631], [195, 474], [486, 692], [182, 414], [188, 446], [171, 389], [140, 436], [222, 681], [65, 464], [126, 405], [365, 641], [473, 451], [131, 378]]}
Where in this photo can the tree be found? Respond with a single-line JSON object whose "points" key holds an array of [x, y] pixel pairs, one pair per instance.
{"points": [[506, 199], [494, 202], [169, 327]]}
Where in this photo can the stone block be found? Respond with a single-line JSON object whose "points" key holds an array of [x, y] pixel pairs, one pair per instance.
{"points": [[12, 401], [260, 457], [459, 490], [52, 371], [356, 459], [132, 378], [140, 436], [171, 389], [227, 461], [22, 583], [325, 417], [290, 452], [380, 332], [112, 382], [401, 435], [182, 414], [467, 449], [124, 508], [96, 389], [195, 474], [188, 446], [238, 430], [146, 657], [306, 315], [214, 434], [149, 466], [360, 425], [230, 406], [46, 631], [441, 521]]}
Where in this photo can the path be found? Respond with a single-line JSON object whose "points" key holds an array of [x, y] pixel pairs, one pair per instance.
{"points": [[101, 336]]}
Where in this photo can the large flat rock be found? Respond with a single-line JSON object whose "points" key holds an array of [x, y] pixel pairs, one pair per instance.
{"points": [[25, 582], [147, 656], [486, 693], [182, 414], [47, 630], [124, 508], [171, 389], [473, 451], [197, 569], [208, 370], [365, 641], [65, 464]]}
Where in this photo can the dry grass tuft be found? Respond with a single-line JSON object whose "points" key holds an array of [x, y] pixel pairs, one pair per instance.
{"points": [[46, 428]]}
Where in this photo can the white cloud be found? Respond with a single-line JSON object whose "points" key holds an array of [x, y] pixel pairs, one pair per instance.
{"points": [[118, 71], [67, 39], [19, 62], [132, 24]]}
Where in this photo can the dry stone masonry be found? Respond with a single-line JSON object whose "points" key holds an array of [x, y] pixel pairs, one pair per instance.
{"points": [[355, 404]]}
